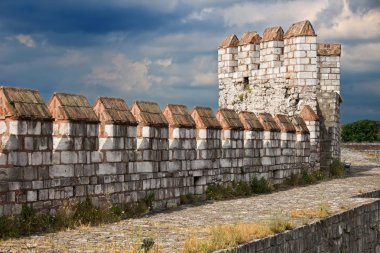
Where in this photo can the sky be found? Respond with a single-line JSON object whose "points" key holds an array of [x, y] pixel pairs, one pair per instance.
{"points": [[166, 50]]}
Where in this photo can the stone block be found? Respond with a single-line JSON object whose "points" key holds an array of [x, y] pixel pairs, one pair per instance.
{"points": [[106, 169], [61, 171], [37, 185], [174, 166], [266, 160], [35, 158], [63, 143], [31, 196], [96, 156], [132, 131], [113, 156], [144, 167], [34, 127], [69, 157], [43, 194]]}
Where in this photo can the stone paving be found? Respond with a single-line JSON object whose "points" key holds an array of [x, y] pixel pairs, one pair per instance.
{"points": [[170, 229]]}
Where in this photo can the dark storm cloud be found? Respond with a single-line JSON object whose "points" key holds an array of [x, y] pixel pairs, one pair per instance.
{"points": [[94, 17], [165, 50]]}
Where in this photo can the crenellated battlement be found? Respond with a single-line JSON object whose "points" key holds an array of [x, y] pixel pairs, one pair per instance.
{"points": [[70, 149]]}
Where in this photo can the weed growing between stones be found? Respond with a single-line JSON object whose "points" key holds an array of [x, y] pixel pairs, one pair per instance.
{"points": [[189, 199], [71, 215], [225, 236], [239, 189], [230, 235], [261, 185], [304, 178], [336, 168], [278, 224], [310, 213]]}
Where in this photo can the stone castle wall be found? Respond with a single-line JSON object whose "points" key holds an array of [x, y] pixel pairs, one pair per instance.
{"points": [[71, 150], [281, 73]]}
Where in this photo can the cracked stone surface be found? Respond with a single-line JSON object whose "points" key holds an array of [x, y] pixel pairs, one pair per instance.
{"points": [[170, 229]]}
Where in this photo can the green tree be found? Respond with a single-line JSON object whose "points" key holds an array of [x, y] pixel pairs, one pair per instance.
{"points": [[360, 131]]}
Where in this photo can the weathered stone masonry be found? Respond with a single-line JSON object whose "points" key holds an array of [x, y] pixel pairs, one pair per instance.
{"points": [[280, 73], [352, 231], [69, 149]]}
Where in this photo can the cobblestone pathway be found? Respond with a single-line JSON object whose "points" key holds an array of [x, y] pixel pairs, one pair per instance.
{"points": [[169, 229]]}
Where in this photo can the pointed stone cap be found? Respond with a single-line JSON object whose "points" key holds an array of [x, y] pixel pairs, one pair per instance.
{"points": [[300, 125], [268, 122], [308, 114], [17, 103], [328, 49], [229, 119], [71, 107], [148, 114], [250, 38], [113, 111], [178, 116], [302, 28], [273, 33], [250, 121], [230, 41], [204, 118], [284, 123]]}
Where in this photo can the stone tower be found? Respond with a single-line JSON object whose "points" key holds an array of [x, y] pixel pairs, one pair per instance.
{"points": [[285, 73]]}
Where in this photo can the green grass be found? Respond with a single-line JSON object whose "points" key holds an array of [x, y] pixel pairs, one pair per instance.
{"points": [[189, 199], [239, 189], [336, 168], [71, 215], [305, 178]]}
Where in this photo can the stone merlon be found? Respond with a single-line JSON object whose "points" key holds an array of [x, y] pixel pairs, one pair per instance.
{"points": [[22, 104], [307, 114], [71, 107], [113, 110], [250, 38], [230, 41], [229, 119], [273, 33], [303, 28]]}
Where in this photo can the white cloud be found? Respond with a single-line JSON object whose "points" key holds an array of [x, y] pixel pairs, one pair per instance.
{"points": [[72, 58], [278, 12], [123, 74], [164, 62], [199, 15], [204, 71], [362, 57], [351, 25], [26, 40], [203, 79]]}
